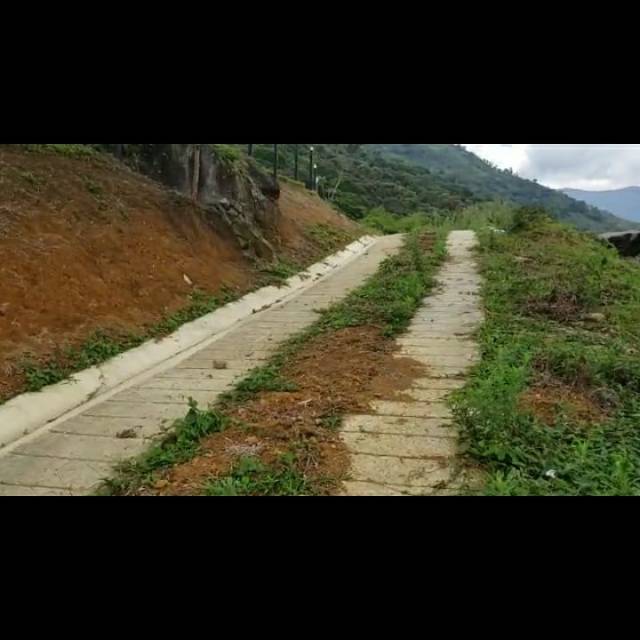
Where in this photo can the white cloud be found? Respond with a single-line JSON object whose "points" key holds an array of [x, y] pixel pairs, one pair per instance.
{"points": [[580, 166]]}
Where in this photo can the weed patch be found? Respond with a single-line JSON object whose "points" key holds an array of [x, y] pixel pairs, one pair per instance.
{"points": [[69, 150], [103, 346], [328, 237], [99, 348], [182, 444], [252, 477]]}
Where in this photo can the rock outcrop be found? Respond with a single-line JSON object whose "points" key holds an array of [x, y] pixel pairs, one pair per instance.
{"points": [[222, 181], [627, 243]]}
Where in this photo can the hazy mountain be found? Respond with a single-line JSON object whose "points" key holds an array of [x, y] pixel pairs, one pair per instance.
{"points": [[622, 202], [461, 167]]}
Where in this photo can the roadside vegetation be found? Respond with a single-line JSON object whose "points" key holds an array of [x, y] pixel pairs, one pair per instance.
{"points": [[103, 345], [554, 406], [481, 216]]}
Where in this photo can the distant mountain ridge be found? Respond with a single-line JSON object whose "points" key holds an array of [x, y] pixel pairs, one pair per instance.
{"points": [[622, 202], [458, 165]]}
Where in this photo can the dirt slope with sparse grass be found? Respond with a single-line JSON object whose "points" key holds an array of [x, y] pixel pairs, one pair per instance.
{"points": [[96, 258]]}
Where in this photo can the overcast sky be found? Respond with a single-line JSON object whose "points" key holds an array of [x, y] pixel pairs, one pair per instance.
{"points": [[579, 166]]}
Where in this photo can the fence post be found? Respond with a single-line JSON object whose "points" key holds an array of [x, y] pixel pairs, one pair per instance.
{"points": [[311, 168], [195, 186], [275, 162]]}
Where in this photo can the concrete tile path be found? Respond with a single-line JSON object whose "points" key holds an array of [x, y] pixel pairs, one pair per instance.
{"points": [[410, 447]]}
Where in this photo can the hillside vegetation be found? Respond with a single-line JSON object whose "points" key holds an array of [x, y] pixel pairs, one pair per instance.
{"points": [[455, 165], [363, 181], [402, 179]]}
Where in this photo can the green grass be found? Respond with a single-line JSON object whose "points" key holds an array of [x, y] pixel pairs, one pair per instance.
{"points": [[181, 445], [251, 477], [103, 346], [382, 221], [38, 376], [389, 299], [229, 155], [277, 273], [478, 217], [481, 217], [544, 283], [68, 150], [329, 238], [99, 348], [200, 304]]}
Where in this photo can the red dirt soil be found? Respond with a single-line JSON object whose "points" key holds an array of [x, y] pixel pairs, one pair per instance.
{"points": [[302, 210], [548, 401], [88, 245]]}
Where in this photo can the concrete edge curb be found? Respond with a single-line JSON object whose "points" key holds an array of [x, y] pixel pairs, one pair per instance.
{"points": [[29, 412]]}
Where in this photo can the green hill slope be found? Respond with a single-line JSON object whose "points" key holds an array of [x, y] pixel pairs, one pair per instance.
{"points": [[367, 180], [453, 163]]}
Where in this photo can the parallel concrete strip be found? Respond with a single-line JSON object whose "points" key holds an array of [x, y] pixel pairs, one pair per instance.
{"points": [[409, 446], [74, 454]]}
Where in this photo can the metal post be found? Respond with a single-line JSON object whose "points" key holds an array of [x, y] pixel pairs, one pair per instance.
{"points": [[250, 150], [195, 186], [311, 168], [295, 161], [275, 162]]}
